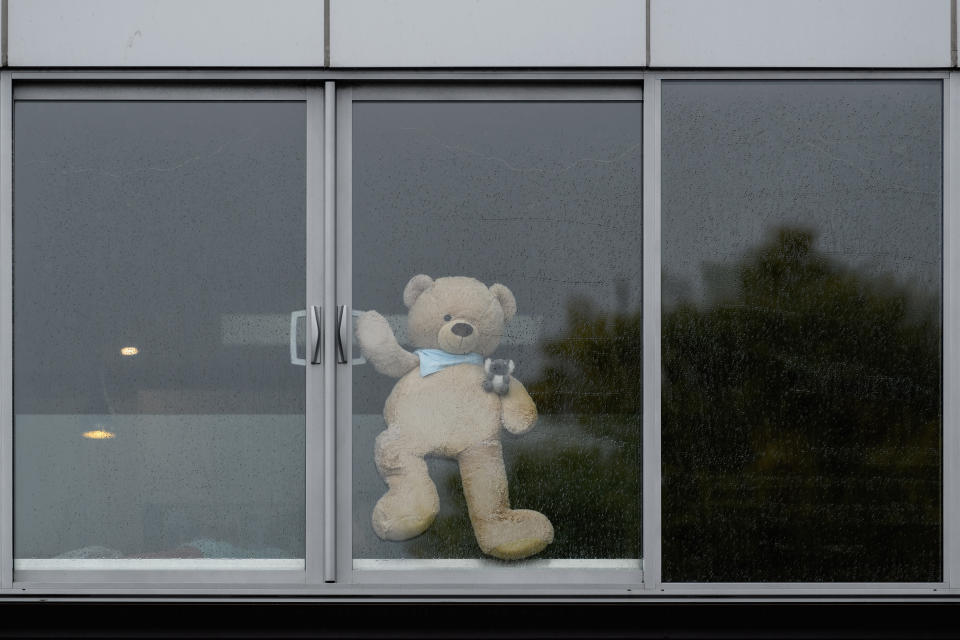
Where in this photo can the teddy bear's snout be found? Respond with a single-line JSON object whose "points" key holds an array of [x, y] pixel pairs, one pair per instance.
{"points": [[462, 329]]}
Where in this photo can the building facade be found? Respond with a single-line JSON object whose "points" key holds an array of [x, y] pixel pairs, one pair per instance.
{"points": [[718, 249]]}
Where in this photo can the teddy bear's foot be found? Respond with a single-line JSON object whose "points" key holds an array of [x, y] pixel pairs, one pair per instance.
{"points": [[401, 517], [514, 534]]}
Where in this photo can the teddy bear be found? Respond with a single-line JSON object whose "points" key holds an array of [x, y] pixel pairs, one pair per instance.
{"points": [[439, 407]]}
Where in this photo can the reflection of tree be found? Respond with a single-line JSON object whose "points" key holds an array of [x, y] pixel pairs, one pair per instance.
{"points": [[591, 496], [587, 483], [800, 430], [801, 426]]}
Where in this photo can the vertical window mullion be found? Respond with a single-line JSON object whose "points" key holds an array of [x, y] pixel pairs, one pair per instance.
{"points": [[330, 361], [339, 283], [6, 331], [651, 334], [314, 380], [951, 341]]}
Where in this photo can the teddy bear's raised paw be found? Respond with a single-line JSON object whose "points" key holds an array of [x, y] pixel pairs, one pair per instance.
{"points": [[380, 346], [372, 329]]}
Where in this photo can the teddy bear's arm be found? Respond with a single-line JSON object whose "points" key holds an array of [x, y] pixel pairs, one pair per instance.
{"points": [[519, 410], [380, 347]]}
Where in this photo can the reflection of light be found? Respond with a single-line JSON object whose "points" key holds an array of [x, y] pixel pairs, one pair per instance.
{"points": [[98, 434], [129, 351]]}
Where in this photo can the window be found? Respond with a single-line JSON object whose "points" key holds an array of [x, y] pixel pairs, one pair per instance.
{"points": [[538, 193], [801, 331], [512, 336], [160, 261]]}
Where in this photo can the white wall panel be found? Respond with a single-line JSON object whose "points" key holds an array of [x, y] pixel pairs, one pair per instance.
{"points": [[800, 33], [494, 33], [149, 33]]}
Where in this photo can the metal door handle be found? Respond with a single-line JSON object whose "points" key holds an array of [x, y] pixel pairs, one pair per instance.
{"points": [[294, 317], [341, 357], [317, 318]]}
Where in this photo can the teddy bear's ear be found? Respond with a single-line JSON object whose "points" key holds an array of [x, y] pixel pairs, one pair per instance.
{"points": [[417, 285], [506, 299]]}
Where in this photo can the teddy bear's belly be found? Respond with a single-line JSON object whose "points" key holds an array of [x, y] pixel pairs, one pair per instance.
{"points": [[446, 412]]}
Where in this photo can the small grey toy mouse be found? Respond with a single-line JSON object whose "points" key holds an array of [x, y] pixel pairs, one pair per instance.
{"points": [[498, 376]]}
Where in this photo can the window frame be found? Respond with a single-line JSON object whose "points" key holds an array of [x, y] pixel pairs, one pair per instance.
{"points": [[317, 574], [558, 574], [315, 537], [950, 455]]}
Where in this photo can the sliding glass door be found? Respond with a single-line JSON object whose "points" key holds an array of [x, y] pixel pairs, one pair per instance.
{"points": [[163, 347], [493, 399]]}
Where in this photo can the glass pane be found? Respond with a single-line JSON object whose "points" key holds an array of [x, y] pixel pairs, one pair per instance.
{"points": [[535, 205], [802, 331], [158, 256]]}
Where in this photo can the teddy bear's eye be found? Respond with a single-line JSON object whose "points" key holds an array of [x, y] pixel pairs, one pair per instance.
{"points": [[447, 318]]}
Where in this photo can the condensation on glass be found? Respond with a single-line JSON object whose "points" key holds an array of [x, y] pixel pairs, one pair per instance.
{"points": [[545, 199], [801, 331], [159, 257]]}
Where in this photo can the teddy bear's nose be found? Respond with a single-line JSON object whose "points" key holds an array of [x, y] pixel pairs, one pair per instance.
{"points": [[462, 329]]}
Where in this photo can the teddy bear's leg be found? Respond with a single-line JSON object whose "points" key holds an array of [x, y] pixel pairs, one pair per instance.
{"points": [[408, 508], [502, 532]]}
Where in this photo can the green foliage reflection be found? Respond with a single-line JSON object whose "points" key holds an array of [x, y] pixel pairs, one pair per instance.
{"points": [[801, 429], [801, 426], [581, 465]]}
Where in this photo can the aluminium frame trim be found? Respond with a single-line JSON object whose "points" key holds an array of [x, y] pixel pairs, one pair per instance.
{"points": [[314, 533], [106, 92], [800, 74], [6, 330], [951, 332], [557, 74], [395, 564], [166, 564], [503, 597], [79, 580], [651, 486], [350, 75], [798, 587], [343, 276], [477, 591], [561, 577], [330, 361], [494, 92]]}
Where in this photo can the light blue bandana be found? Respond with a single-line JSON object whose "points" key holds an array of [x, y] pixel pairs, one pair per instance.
{"points": [[433, 360]]}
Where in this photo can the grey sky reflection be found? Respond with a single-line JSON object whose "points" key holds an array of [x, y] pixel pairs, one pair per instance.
{"points": [[859, 163], [544, 197]]}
